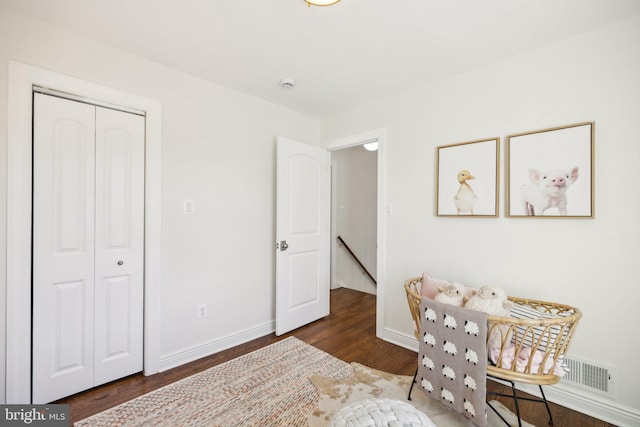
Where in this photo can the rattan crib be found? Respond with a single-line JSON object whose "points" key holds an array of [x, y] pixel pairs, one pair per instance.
{"points": [[548, 335]]}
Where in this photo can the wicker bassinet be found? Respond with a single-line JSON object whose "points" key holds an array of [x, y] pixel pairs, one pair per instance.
{"points": [[550, 333]]}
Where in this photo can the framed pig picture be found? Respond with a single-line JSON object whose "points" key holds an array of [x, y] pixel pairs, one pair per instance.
{"points": [[550, 172], [467, 179]]}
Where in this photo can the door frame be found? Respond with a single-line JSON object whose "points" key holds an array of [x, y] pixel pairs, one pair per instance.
{"points": [[375, 135], [22, 78]]}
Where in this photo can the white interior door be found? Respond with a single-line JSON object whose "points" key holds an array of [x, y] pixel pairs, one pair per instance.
{"points": [[303, 233], [119, 244], [87, 246], [63, 247]]}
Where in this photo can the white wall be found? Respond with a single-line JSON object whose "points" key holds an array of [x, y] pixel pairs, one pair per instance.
{"points": [[590, 263], [355, 195], [218, 150]]}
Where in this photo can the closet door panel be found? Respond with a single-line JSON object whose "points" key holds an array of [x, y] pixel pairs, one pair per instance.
{"points": [[119, 244], [63, 247]]}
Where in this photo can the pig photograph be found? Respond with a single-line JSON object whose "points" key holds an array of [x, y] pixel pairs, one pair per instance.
{"points": [[547, 190], [549, 172]]}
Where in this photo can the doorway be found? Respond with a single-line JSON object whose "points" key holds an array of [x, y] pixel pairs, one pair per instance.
{"points": [[354, 218], [382, 209]]}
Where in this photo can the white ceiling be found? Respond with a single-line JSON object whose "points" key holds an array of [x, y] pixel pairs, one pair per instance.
{"points": [[349, 53]]}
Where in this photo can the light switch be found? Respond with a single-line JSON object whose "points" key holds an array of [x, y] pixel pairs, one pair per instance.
{"points": [[188, 207]]}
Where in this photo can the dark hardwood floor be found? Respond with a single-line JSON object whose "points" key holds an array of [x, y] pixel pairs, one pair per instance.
{"points": [[348, 333]]}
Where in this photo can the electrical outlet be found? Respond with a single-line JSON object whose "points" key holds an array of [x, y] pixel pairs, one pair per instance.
{"points": [[202, 311]]}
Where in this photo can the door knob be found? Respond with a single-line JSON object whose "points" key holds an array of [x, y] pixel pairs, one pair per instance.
{"points": [[284, 245], [120, 262]]}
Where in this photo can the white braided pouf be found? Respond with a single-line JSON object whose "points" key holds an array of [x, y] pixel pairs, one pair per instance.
{"points": [[380, 412]]}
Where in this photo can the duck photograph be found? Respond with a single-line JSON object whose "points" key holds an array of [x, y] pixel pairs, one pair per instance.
{"points": [[467, 178]]}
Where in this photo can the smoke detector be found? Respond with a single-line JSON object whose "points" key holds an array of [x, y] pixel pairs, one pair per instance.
{"points": [[287, 83]]}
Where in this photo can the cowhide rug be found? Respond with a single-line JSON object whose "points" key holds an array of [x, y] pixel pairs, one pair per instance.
{"points": [[368, 383]]}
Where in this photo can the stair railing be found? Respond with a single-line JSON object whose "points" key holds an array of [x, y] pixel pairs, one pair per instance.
{"points": [[364, 269]]}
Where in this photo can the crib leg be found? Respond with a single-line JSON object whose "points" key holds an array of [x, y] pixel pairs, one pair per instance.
{"points": [[498, 414], [412, 383], [544, 398], [514, 396], [515, 400]]}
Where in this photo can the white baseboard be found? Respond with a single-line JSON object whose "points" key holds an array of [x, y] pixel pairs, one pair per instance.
{"points": [[199, 351], [562, 394], [400, 339]]}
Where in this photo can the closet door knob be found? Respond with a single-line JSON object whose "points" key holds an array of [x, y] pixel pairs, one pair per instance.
{"points": [[120, 262]]}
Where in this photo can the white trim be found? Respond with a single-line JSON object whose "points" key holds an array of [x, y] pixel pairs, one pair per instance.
{"points": [[378, 135], [199, 351], [401, 339], [354, 140], [22, 77], [382, 231], [333, 283], [85, 100]]}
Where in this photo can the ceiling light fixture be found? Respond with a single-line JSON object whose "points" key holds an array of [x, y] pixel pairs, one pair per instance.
{"points": [[321, 2], [371, 146]]}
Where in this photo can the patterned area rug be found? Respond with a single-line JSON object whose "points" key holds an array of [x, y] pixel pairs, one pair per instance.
{"points": [[269, 387], [370, 383], [272, 387]]}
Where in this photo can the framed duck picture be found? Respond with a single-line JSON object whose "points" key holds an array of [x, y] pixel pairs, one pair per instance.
{"points": [[467, 177]]}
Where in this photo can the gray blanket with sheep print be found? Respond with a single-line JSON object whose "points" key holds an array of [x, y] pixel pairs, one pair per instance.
{"points": [[452, 361]]}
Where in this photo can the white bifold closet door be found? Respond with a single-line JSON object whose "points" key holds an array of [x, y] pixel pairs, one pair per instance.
{"points": [[88, 238]]}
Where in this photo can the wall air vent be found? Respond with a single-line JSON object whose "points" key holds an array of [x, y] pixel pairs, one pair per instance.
{"points": [[595, 377]]}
